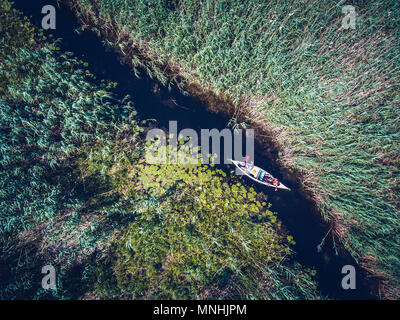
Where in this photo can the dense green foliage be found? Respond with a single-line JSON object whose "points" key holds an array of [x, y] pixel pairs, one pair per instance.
{"points": [[200, 237], [48, 112], [76, 194], [196, 234], [330, 95]]}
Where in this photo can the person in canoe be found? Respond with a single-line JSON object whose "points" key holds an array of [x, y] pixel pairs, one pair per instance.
{"points": [[247, 164], [268, 178], [260, 174]]}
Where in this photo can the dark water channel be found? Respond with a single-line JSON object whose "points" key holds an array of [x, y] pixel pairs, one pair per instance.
{"points": [[297, 214]]}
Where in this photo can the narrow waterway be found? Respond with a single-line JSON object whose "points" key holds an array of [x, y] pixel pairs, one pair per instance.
{"points": [[153, 101]]}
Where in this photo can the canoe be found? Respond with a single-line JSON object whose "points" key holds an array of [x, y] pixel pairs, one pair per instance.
{"points": [[241, 166]]}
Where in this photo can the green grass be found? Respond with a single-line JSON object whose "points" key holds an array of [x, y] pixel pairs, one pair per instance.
{"points": [[329, 95]]}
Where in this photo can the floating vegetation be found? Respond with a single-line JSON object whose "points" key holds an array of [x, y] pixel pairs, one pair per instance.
{"points": [[198, 233]]}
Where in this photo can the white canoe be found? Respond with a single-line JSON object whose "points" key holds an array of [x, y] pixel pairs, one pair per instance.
{"points": [[243, 169]]}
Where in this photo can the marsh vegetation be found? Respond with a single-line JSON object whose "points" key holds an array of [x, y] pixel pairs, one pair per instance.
{"points": [[327, 97], [76, 193]]}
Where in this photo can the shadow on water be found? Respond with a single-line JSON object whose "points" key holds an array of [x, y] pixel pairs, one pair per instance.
{"points": [[153, 101]]}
